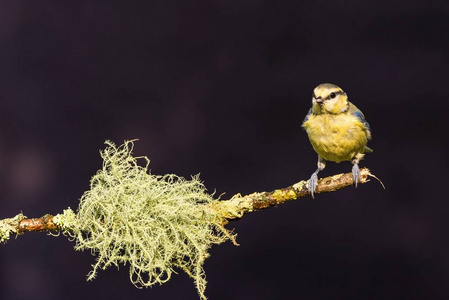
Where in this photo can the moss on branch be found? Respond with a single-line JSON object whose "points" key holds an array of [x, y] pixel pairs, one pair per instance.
{"points": [[155, 224], [238, 205]]}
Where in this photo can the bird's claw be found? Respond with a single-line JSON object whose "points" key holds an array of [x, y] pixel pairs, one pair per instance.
{"points": [[356, 175], [311, 185]]}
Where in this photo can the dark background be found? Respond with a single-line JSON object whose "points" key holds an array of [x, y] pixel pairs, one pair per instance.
{"points": [[221, 88]]}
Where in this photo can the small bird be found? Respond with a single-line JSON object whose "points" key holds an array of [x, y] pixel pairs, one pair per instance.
{"points": [[337, 130]]}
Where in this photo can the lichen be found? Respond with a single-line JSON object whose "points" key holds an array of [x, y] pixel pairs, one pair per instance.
{"points": [[10, 226], [66, 221], [155, 224]]}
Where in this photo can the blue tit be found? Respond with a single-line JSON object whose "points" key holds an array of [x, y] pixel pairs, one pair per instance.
{"points": [[337, 130]]}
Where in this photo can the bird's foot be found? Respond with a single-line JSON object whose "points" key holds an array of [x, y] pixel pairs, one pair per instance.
{"points": [[311, 185], [356, 175]]}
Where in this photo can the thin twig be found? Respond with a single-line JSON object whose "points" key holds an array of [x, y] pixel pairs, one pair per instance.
{"points": [[238, 205], [231, 209], [44, 223], [20, 224]]}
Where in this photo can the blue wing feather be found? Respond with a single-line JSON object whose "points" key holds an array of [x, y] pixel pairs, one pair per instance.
{"points": [[307, 116], [357, 113]]}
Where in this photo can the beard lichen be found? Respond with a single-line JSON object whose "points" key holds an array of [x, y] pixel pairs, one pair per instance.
{"points": [[156, 224]]}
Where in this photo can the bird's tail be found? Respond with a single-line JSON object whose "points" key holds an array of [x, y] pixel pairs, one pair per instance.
{"points": [[367, 150]]}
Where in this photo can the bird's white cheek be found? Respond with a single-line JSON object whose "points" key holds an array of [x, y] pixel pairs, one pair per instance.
{"points": [[329, 106]]}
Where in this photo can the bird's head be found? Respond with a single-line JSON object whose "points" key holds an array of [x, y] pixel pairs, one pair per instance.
{"points": [[328, 98]]}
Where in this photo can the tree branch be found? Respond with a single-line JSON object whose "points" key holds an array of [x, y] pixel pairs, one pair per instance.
{"points": [[238, 205], [231, 209], [44, 223], [20, 224]]}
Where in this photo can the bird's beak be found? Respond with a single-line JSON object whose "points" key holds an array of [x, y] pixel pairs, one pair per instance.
{"points": [[319, 100]]}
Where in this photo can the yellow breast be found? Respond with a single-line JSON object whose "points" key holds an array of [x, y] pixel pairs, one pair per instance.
{"points": [[336, 137]]}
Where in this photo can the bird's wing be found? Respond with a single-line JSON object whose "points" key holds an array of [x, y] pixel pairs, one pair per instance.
{"points": [[353, 110], [307, 116]]}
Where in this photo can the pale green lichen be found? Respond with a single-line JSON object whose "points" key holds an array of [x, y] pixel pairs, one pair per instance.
{"points": [[156, 224], [66, 221], [9, 226]]}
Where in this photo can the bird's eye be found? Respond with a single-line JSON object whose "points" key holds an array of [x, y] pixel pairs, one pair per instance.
{"points": [[332, 95]]}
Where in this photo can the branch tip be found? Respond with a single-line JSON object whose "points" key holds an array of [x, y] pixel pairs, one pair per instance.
{"points": [[238, 205]]}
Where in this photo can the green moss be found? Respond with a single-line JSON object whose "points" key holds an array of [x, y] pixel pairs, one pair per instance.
{"points": [[155, 224]]}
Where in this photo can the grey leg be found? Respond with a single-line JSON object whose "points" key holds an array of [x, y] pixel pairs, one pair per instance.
{"points": [[356, 175], [313, 181]]}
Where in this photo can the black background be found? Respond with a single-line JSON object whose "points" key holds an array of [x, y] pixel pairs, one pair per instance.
{"points": [[221, 88]]}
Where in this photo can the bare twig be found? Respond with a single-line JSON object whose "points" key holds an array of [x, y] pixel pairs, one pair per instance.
{"points": [[20, 224], [44, 223]]}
